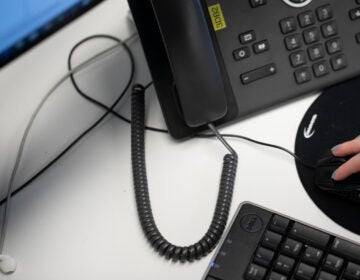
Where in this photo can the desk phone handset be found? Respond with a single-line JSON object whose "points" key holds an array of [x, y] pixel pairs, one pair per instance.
{"points": [[215, 61]]}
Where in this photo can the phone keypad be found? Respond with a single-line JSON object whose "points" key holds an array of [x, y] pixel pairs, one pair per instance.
{"points": [[316, 39]]}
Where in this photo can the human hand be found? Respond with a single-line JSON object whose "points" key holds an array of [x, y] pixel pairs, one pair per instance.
{"points": [[352, 166]]}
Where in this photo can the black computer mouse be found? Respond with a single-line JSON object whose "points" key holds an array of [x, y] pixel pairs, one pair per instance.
{"points": [[348, 188]]}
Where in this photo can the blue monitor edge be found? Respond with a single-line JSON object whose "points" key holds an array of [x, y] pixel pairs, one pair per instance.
{"points": [[38, 34]]}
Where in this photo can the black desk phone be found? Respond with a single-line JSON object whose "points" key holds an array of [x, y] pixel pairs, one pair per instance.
{"points": [[218, 60]]}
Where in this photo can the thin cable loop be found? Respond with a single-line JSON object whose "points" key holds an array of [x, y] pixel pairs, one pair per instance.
{"points": [[33, 117]]}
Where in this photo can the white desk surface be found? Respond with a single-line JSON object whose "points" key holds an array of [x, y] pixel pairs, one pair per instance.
{"points": [[79, 221]]}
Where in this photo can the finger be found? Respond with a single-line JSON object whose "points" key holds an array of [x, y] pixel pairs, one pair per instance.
{"points": [[350, 167], [347, 148]]}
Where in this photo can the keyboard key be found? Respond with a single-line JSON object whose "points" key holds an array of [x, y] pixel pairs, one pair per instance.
{"points": [[312, 256], [263, 257], [258, 74], [288, 25], [324, 12], [311, 35], [241, 53], [261, 47], [306, 19], [309, 235], [277, 276], [321, 69], [255, 272], [304, 272], [346, 249], [291, 248], [271, 240], [338, 62], [257, 3], [293, 42], [329, 29], [279, 224], [247, 37], [316, 52], [326, 276], [298, 58], [352, 271], [284, 265], [333, 46], [333, 263], [355, 14], [303, 75]]}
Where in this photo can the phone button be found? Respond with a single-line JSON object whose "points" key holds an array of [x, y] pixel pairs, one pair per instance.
{"points": [[241, 53], [355, 14], [306, 19], [288, 25], [293, 42], [247, 37], [338, 62], [257, 3], [261, 47], [316, 52], [257, 74], [324, 12], [321, 69], [357, 37], [298, 58], [303, 75]]}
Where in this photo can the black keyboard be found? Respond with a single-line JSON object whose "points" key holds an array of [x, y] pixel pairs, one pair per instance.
{"points": [[263, 245]]}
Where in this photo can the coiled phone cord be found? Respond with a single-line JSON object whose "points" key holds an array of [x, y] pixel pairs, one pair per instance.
{"points": [[206, 244]]}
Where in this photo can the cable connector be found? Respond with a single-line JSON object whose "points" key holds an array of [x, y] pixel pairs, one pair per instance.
{"points": [[8, 264]]}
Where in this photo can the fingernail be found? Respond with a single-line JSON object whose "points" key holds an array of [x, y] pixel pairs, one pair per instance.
{"points": [[335, 148], [334, 174]]}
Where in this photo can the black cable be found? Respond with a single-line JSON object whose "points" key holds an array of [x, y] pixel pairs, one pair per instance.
{"points": [[296, 157], [96, 102], [112, 111], [86, 96], [91, 127], [206, 244]]}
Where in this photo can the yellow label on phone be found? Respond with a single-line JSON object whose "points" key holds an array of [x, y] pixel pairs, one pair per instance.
{"points": [[217, 17]]}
